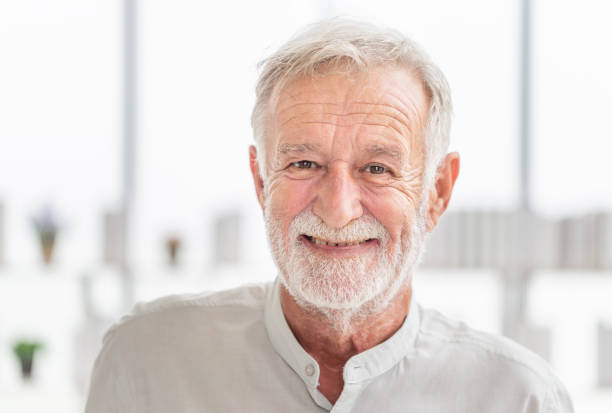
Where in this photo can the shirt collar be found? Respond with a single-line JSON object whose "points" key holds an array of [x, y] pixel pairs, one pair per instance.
{"points": [[363, 366], [285, 343]]}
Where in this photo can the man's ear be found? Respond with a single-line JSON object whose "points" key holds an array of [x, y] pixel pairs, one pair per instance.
{"points": [[440, 194], [257, 179]]}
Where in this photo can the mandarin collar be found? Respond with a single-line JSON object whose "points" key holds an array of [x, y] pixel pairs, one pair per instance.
{"points": [[361, 367]]}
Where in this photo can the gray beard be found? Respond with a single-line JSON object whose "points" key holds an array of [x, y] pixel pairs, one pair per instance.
{"points": [[345, 290]]}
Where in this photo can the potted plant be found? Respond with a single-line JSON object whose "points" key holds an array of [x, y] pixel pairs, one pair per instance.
{"points": [[46, 227], [173, 244], [25, 350]]}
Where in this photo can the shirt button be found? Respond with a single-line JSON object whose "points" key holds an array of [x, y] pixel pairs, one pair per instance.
{"points": [[310, 370]]}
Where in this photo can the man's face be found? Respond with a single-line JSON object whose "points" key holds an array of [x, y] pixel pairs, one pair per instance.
{"points": [[343, 190]]}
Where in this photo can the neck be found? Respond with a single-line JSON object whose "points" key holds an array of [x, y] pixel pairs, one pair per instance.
{"points": [[332, 342]]}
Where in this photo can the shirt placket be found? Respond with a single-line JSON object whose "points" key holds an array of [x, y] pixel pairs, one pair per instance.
{"points": [[349, 395], [356, 376]]}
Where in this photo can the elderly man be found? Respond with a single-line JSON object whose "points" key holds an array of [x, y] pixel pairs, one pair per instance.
{"points": [[351, 172]]}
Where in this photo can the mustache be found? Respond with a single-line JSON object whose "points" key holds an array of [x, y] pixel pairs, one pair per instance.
{"points": [[362, 228]]}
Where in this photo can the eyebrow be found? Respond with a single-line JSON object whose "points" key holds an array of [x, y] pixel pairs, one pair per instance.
{"points": [[377, 149], [286, 148]]}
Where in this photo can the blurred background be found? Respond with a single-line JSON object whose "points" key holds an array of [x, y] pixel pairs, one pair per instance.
{"points": [[124, 129]]}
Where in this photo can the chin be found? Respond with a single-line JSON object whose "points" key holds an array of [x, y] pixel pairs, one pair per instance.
{"points": [[344, 310], [346, 297], [339, 286]]}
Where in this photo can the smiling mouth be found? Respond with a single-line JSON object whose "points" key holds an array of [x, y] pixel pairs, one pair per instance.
{"points": [[318, 241]]}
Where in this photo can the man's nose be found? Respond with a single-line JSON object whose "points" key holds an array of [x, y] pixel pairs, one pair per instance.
{"points": [[338, 197]]}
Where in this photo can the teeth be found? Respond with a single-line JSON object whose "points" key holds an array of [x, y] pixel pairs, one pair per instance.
{"points": [[318, 241]]}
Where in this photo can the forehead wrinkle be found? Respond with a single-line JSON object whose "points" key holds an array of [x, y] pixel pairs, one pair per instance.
{"points": [[286, 121], [393, 122], [392, 117], [420, 115], [280, 111], [384, 125], [406, 113], [415, 117], [318, 106], [403, 118]]}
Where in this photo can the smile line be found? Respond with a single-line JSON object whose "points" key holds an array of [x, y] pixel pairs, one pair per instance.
{"points": [[319, 241]]}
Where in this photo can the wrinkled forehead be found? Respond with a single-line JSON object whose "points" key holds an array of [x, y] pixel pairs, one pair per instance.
{"points": [[392, 98]]}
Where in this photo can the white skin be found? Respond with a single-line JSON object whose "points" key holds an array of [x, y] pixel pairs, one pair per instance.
{"points": [[345, 160]]}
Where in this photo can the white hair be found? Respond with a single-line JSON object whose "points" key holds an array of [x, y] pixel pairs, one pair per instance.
{"points": [[355, 47]]}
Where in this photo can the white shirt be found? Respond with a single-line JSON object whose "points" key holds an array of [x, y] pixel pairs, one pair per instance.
{"points": [[233, 351]]}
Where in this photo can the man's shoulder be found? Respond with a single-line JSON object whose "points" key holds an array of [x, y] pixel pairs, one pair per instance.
{"points": [[488, 357], [244, 296], [447, 330], [172, 349], [184, 311]]}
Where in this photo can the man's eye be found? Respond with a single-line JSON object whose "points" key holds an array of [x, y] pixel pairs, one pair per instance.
{"points": [[304, 164], [376, 169]]}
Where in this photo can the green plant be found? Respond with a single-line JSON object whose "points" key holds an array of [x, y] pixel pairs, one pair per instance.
{"points": [[25, 350]]}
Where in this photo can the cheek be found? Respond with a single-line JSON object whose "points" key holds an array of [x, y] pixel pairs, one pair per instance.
{"points": [[394, 210], [287, 198]]}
